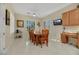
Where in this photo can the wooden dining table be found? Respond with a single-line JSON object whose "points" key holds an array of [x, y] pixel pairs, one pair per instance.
{"points": [[37, 37]]}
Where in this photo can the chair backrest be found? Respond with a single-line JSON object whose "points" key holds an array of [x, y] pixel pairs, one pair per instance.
{"points": [[45, 33], [32, 35]]}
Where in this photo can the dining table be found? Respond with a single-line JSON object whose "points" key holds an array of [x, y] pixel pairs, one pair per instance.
{"points": [[37, 37]]}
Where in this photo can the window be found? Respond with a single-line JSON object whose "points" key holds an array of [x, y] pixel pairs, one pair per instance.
{"points": [[47, 24], [30, 25]]}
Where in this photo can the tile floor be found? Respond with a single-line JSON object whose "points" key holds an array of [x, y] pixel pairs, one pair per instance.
{"points": [[24, 47]]}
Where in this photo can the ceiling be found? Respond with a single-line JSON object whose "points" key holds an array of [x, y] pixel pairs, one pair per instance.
{"points": [[40, 9]]}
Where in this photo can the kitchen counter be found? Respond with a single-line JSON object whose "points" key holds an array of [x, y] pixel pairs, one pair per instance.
{"points": [[66, 35]]}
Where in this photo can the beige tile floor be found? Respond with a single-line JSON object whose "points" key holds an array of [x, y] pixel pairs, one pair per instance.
{"points": [[24, 47]]}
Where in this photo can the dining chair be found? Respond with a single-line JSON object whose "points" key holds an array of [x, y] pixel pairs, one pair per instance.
{"points": [[44, 37], [33, 37]]}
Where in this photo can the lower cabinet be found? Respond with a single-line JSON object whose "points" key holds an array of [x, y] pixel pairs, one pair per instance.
{"points": [[77, 41], [64, 38]]}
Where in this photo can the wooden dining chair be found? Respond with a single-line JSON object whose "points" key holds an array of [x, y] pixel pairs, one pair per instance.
{"points": [[33, 37], [44, 37]]}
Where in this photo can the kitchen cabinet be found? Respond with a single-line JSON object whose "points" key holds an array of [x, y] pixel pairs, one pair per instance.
{"points": [[74, 17], [71, 18], [66, 35], [65, 19], [64, 38]]}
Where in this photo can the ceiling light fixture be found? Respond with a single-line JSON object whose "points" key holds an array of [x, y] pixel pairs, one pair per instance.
{"points": [[34, 14]]}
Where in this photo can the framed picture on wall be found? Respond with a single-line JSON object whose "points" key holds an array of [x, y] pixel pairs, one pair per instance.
{"points": [[7, 17], [20, 23]]}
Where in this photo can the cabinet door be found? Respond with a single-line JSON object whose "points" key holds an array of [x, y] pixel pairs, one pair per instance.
{"points": [[64, 39], [74, 17], [65, 19]]}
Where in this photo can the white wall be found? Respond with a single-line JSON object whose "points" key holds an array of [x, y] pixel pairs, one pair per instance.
{"points": [[2, 29], [8, 30]]}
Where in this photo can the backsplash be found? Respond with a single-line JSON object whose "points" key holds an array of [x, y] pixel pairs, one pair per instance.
{"points": [[72, 29]]}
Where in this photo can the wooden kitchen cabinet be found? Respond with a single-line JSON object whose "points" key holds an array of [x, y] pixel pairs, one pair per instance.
{"points": [[74, 17], [77, 41], [71, 18], [64, 38], [65, 19]]}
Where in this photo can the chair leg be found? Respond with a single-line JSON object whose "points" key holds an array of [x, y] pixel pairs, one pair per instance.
{"points": [[34, 43], [47, 43], [41, 45]]}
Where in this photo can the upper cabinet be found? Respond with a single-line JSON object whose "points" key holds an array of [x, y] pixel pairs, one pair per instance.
{"points": [[65, 19], [71, 18], [74, 17]]}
